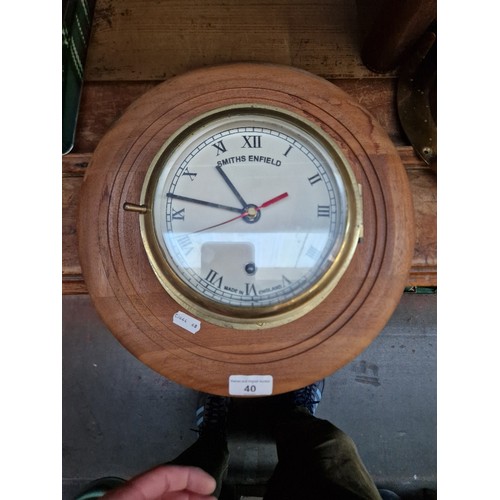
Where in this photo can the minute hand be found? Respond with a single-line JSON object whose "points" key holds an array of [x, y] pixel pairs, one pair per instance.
{"points": [[203, 202]]}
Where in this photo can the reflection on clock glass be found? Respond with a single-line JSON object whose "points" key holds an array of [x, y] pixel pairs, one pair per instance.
{"points": [[250, 210]]}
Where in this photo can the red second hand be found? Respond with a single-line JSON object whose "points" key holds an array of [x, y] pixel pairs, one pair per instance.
{"points": [[273, 200], [244, 214]]}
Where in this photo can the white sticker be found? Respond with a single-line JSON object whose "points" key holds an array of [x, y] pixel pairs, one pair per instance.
{"points": [[250, 385], [187, 322]]}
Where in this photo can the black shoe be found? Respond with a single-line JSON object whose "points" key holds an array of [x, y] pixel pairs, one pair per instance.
{"points": [[211, 413], [308, 397]]}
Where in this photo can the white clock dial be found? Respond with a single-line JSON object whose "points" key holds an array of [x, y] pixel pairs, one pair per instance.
{"points": [[250, 208]]}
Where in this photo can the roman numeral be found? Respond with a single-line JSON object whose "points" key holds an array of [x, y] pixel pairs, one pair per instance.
{"points": [[250, 289], [178, 215], [214, 278], [314, 179], [287, 151], [285, 281], [252, 141], [312, 252], [219, 146], [323, 210], [185, 244], [191, 175]]}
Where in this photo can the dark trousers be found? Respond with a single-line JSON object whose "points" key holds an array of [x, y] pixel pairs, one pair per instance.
{"points": [[316, 460]]}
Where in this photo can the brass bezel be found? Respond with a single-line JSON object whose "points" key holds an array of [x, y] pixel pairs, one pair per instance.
{"points": [[249, 318]]}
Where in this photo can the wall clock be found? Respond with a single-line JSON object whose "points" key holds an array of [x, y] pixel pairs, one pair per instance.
{"points": [[245, 229]]}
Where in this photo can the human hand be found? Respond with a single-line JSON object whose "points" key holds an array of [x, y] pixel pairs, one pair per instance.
{"points": [[167, 482]]}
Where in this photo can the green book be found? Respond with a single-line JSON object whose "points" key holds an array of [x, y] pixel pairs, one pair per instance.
{"points": [[76, 27]]}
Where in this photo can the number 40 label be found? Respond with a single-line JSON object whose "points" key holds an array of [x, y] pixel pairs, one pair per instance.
{"points": [[250, 385]]}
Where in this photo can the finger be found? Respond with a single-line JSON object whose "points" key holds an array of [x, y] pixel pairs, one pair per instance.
{"points": [[192, 479], [157, 482]]}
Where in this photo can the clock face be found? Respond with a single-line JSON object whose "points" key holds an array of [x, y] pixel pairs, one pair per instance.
{"points": [[253, 214]]}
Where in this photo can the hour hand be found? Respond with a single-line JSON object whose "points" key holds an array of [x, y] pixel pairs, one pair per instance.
{"points": [[231, 186], [203, 202]]}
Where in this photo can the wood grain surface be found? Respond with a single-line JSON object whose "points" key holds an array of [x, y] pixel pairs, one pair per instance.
{"points": [[150, 40], [139, 312]]}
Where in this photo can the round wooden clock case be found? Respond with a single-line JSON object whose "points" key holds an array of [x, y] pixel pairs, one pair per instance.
{"points": [[140, 313]]}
